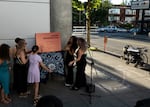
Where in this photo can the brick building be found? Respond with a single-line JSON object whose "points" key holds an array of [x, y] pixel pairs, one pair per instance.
{"points": [[124, 14]]}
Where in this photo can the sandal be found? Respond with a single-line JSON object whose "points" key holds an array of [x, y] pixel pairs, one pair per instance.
{"points": [[38, 97], [8, 99], [4, 101], [35, 101]]}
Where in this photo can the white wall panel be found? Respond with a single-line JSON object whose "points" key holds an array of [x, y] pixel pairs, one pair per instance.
{"points": [[23, 18]]}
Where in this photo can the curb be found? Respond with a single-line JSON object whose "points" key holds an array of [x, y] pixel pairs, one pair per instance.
{"points": [[107, 52]]}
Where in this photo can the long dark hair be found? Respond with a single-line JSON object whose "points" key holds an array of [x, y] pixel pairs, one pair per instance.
{"points": [[74, 43], [4, 52], [73, 46], [82, 43]]}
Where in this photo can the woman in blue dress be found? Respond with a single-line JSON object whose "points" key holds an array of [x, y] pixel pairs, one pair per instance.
{"points": [[4, 73]]}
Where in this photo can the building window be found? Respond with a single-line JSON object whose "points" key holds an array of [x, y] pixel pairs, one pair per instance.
{"points": [[129, 19], [114, 11], [130, 12], [147, 12]]}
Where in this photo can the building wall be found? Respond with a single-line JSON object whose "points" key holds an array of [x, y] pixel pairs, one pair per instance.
{"points": [[23, 18], [123, 14]]}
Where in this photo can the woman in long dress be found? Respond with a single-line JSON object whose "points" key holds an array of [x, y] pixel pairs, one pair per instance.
{"points": [[21, 69], [80, 61], [70, 49]]}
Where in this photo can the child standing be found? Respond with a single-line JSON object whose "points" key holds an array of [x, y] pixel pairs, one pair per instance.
{"points": [[35, 61]]}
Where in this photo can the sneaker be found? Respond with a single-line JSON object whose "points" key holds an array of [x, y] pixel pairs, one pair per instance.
{"points": [[68, 85], [23, 95], [74, 88], [28, 92]]}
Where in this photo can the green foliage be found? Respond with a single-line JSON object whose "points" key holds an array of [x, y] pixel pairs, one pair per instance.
{"points": [[126, 25], [98, 11], [95, 4], [77, 5]]}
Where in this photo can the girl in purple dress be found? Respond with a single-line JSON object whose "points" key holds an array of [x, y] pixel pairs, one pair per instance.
{"points": [[35, 62]]}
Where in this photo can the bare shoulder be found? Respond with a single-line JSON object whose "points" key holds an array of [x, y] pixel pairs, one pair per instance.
{"points": [[1, 61]]}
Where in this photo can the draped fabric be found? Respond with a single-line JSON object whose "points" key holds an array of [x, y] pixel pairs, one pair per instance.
{"points": [[54, 61]]}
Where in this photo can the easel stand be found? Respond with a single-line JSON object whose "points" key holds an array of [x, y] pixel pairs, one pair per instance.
{"points": [[90, 88]]}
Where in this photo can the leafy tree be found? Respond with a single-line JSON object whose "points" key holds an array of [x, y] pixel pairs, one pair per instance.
{"points": [[93, 10], [100, 16], [98, 11], [77, 7]]}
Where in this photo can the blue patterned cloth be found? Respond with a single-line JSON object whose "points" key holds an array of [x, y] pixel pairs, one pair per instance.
{"points": [[54, 61]]}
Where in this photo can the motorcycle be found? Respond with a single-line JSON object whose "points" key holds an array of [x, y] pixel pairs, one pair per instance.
{"points": [[137, 56]]}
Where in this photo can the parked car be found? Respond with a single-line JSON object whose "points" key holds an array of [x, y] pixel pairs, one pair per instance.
{"points": [[136, 30], [121, 29], [101, 29], [132, 30], [111, 29], [107, 29]]}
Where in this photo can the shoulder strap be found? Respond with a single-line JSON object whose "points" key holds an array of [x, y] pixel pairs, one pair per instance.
{"points": [[77, 50], [75, 55]]}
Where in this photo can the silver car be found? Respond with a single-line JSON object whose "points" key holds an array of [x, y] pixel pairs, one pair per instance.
{"points": [[121, 29], [101, 29], [107, 29]]}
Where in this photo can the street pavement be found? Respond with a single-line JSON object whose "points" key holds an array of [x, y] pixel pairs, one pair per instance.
{"points": [[116, 84]]}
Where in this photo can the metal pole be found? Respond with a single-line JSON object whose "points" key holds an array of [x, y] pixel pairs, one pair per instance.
{"points": [[142, 21]]}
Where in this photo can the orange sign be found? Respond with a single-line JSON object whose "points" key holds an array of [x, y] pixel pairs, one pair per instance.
{"points": [[48, 42]]}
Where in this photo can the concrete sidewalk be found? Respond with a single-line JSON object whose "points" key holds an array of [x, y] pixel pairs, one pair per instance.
{"points": [[117, 85]]}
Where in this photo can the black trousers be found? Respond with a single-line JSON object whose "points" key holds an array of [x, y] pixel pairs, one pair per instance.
{"points": [[20, 78]]}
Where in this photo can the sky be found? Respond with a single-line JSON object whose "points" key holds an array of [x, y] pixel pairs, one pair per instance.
{"points": [[113, 1], [116, 1]]}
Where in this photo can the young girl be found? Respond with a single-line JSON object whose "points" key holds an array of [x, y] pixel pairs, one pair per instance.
{"points": [[34, 71], [4, 73]]}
